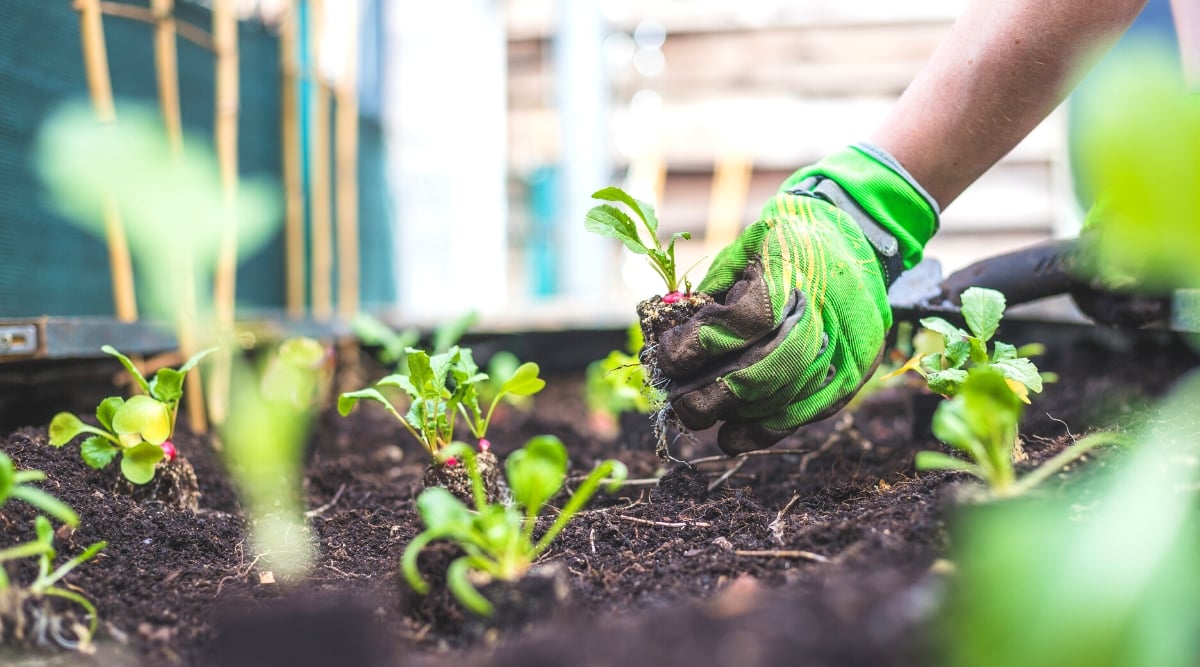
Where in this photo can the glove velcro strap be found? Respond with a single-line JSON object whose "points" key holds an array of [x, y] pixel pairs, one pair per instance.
{"points": [[887, 248], [884, 191]]}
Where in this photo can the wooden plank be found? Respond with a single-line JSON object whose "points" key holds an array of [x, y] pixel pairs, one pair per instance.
{"points": [[537, 18]]}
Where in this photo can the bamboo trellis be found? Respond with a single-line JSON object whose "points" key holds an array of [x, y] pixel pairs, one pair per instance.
{"points": [[223, 43]]}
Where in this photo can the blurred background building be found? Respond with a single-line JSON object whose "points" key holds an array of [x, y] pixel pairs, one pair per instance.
{"points": [[480, 129]]}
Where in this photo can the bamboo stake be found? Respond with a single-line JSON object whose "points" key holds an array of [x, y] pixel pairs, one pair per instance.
{"points": [[184, 29], [293, 184], [322, 233], [166, 64], [346, 128], [225, 41], [95, 61]]}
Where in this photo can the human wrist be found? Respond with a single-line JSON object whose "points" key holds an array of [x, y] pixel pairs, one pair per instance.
{"points": [[882, 188]]}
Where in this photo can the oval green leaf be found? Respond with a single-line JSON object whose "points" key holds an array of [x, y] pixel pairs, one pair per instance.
{"points": [[144, 416], [138, 462], [525, 381], [64, 427], [536, 472]]}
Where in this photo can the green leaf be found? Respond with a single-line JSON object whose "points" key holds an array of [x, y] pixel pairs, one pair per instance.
{"points": [[348, 400], [420, 372], [107, 408], [8, 476], [525, 381], [64, 427], [614, 223], [536, 472], [441, 512], [138, 462], [979, 353], [1021, 370], [402, 381], [1002, 351], [946, 382], [144, 416], [98, 452], [458, 580], [167, 385], [195, 359], [957, 353], [948, 331], [644, 210], [133, 371], [47, 503], [982, 309]]}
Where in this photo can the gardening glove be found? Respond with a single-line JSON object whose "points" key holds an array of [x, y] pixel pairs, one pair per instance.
{"points": [[800, 305]]}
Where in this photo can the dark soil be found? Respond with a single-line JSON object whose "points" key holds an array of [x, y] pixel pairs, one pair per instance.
{"points": [[823, 551]]}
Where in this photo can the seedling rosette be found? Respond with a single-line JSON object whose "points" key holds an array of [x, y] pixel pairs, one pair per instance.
{"points": [[499, 538], [957, 350], [441, 388], [137, 429]]}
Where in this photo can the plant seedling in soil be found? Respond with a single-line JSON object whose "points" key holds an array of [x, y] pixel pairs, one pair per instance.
{"points": [[945, 367], [617, 383], [981, 421], [499, 539], [16, 484], [13, 600], [137, 429], [658, 313], [440, 388]]}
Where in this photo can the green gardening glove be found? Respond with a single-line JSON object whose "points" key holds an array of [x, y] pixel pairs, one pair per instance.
{"points": [[800, 311]]}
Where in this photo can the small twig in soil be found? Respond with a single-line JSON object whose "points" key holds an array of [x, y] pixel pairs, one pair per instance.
{"points": [[664, 524], [333, 501], [242, 573], [721, 458], [843, 425], [776, 526], [350, 575], [741, 461], [784, 553]]}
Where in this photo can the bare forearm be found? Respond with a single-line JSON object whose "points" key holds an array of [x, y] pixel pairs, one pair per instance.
{"points": [[1001, 70], [1187, 27]]}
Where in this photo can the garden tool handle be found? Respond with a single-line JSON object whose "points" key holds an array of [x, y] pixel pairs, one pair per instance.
{"points": [[1024, 275], [1048, 269]]}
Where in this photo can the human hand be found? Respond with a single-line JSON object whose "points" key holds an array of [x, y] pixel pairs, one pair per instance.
{"points": [[800, 310]]}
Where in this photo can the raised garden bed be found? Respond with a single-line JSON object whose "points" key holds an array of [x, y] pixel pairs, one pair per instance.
{"points": [[829, 553]]}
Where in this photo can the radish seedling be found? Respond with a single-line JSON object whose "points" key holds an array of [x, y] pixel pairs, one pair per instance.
{"points": [[657, 314], [138, 429], [499, 539], [441, 388], [945, 368], [608, 220], [981, 421], [45, 585]]}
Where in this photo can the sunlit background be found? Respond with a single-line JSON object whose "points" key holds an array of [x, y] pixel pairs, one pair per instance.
{"points": [[447, 150]]}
